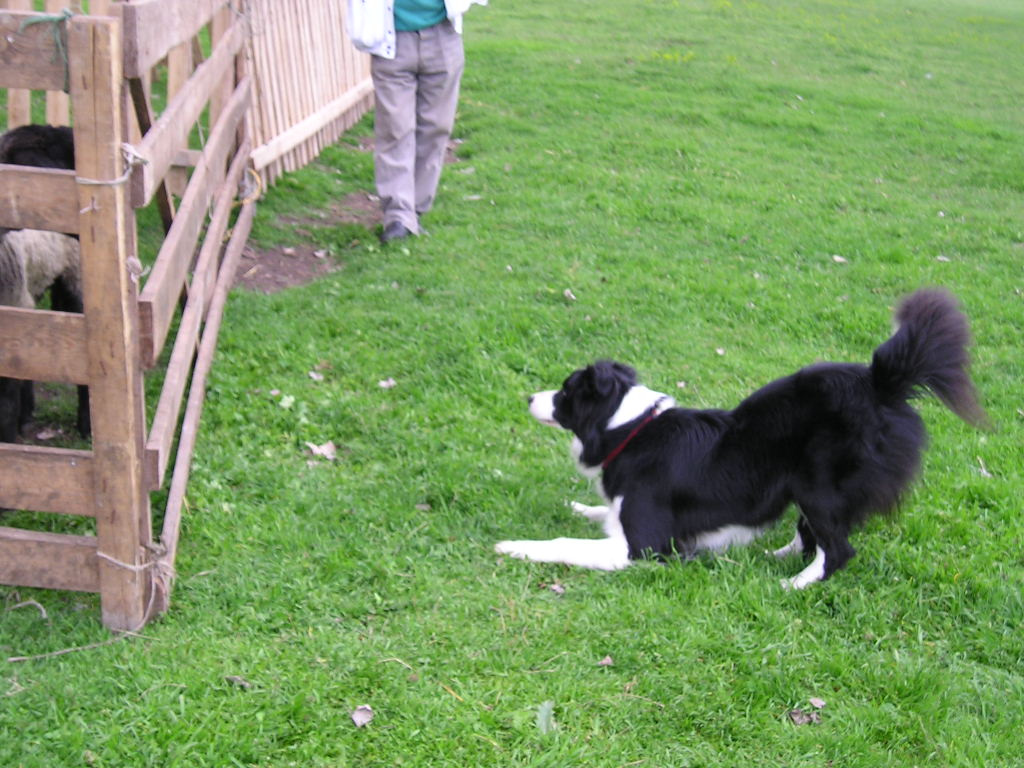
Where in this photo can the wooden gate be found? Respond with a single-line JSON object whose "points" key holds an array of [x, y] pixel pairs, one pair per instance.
{"points": [[270, 83], [106, 65]]}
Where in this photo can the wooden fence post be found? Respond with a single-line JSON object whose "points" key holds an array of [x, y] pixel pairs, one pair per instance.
{"points": [[19, 101], [123, 527]]}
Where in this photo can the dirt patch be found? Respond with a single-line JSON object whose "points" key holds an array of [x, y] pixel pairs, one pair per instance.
{"points": [[270, 271], [274, 269], [360, 208]]}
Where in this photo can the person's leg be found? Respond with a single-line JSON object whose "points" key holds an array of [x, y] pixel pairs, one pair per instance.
{"points": [[394, 129], [441, 65]]}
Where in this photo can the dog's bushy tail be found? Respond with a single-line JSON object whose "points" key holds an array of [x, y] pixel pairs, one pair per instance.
{"points": [[928, 354]]}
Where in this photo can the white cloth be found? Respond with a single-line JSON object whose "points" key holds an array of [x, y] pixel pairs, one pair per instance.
{"points": [[371, 23]]}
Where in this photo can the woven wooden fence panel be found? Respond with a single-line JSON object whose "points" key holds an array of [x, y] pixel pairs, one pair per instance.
{"points": [[310, 84]]}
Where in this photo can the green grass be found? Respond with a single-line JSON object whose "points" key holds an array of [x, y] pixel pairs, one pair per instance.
{"points": [[688, 170]]}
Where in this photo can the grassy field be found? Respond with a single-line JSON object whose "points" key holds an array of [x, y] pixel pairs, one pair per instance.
{"points": [[714, 191]]}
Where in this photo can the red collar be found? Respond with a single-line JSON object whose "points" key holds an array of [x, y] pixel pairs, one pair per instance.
{"points": [[629, 438]]}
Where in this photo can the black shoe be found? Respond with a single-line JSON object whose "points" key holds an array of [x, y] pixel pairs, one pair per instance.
{"points": [[396, 230]]}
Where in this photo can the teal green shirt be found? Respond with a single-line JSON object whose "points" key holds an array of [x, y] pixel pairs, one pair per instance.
{"points": [[411, 15]]}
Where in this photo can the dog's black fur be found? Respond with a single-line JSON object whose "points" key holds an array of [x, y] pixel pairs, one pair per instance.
{"points": [[41, 146], [838, 440]]}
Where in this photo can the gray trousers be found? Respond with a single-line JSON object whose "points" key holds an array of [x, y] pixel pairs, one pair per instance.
{"points": [[416, 95]]}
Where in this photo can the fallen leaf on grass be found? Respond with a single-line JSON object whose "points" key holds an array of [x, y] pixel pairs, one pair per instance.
{"points": [[325, 451], [802, 717], [546, 717], [362, 715], [816, 702], [238, 682], [605, 662]]}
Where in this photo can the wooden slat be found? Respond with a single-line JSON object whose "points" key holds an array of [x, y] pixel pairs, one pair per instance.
{"points": [[38, 198], [311, 84], [153, 27], [268, 119], [197, 392], [46, 479], [303, 96], [209, 255], [19, 101], [144, 117], [179, 68], [43, 346], [170, 132], [123, 524], [159, 297], [165, 420], [303, 130], [48, 560], [29, 57], [220, 24], [58, 106]]}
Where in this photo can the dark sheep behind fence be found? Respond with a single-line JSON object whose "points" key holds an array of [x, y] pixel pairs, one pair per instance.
{"points": [[33, 262]]}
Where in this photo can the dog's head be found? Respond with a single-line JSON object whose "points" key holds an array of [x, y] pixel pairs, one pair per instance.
{"points": [[594, 401], [588, 399]]}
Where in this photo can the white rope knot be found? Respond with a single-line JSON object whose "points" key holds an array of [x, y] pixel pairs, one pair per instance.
{"points": [[161, 575], [132, 160]]}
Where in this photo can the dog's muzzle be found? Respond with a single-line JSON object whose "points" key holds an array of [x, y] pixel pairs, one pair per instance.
{"points": [[542, 407]]}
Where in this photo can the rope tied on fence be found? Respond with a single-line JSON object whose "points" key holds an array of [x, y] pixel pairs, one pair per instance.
{"points": [[251, 188], [132, 160], [161, 572], [59, 22]]}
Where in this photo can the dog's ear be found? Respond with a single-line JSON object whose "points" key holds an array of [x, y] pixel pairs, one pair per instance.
{"points": [[609, 377]]}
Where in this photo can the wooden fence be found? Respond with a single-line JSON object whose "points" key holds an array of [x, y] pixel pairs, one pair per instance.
{"points": [[107, 63], [270, 83], [309, 83]]}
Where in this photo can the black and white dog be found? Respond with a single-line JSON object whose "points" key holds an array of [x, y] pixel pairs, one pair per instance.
{"points": [[838, 440]]}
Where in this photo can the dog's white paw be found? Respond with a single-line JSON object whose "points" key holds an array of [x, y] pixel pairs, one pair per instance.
{"points": [[589, 512], [812, 573], [795, 547], [512, 548], [795, 583]]}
